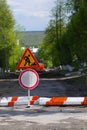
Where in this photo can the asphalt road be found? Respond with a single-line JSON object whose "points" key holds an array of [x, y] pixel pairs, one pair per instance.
{"points": [[42, 117]]}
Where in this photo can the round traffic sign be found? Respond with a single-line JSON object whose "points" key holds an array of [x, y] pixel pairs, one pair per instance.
{"points": [[28, 79]]}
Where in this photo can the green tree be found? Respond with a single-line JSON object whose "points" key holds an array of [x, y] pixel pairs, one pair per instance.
{"points": [[8, 38], [52, 42], [46, 50], [66, 37], [77, 31]]}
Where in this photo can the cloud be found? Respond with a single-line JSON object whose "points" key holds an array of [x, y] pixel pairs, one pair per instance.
{"points": [[31, 10], [37, 8]]}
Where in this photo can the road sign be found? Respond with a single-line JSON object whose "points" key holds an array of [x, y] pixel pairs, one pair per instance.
{"points": [[28, 60], [28, 79]]}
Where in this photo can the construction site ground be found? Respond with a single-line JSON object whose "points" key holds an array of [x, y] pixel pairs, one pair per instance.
{"points": [[43, 117]]}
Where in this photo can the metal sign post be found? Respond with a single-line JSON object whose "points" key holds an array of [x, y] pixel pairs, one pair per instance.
{"points": [[28, 98]]}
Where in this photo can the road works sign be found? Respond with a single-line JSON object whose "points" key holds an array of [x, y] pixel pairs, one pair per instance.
{"points": [[28, 61]]}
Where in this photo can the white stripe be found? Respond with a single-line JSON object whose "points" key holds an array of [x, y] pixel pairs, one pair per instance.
{"points": [[4, 101], [42, 101], [74, 100]]}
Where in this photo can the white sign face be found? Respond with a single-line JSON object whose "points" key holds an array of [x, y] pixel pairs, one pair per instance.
{"points": [[28, 79]]}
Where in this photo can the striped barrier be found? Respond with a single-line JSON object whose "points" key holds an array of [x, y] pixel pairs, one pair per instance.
{"points": [[35, 100], [58, 101], [12, 101]]}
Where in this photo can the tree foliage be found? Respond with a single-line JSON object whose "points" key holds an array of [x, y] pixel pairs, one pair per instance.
{"points": [[8, 38], [77, 31], [66, 35], [52, 41]]}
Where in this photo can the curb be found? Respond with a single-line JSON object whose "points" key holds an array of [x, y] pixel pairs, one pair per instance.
{"points": [[35, 100]]}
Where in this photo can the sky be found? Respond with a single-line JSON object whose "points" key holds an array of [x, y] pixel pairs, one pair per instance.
{"points": [[33, 15]]}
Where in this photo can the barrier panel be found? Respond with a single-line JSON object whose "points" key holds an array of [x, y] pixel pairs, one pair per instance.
{"points": [[35, 100]]}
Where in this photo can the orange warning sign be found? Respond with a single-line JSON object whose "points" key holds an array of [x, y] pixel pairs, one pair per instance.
{"points": [[28, 60]]}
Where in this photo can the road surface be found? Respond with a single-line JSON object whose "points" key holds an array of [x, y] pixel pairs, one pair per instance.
{"points": [[42, 117]]}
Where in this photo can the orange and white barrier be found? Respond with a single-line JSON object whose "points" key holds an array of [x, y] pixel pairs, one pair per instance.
{"points": [[35, 100], [12, 101], [58, 101]]}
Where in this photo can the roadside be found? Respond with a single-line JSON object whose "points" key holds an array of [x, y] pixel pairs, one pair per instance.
{"points": [[50, 85], [42, 117]]}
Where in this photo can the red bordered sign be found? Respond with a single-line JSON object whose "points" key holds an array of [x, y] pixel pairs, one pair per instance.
{"points": [[28, 79], [28, 61]]}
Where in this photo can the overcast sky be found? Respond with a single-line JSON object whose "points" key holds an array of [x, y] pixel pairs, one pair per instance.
{"points": [[34, 15]]}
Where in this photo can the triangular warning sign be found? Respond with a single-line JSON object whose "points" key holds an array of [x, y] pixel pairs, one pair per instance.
{"points": [[28, 60]]}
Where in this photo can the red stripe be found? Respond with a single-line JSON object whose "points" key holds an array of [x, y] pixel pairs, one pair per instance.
{"points": [[11, 103], [34, 98], [85, 101], [56, 101]]}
